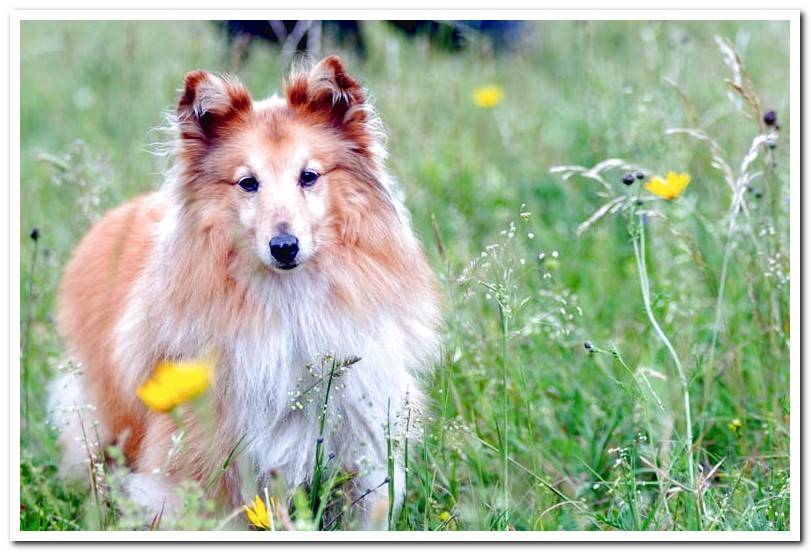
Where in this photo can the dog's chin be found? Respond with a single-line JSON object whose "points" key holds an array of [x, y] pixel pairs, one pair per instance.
{"points": [[272, 265], [284, 268]]}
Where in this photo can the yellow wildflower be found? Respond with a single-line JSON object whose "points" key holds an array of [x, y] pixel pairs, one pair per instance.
{"points": [[670, 187], [175, 382], [444, 516], [258, 514], [735, 425], [488, 97]]}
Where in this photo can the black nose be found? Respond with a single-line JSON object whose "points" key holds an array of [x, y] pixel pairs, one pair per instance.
{"points": [[284, 248]]}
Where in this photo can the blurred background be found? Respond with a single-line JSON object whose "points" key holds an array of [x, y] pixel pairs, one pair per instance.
{"points": [[477, 113]]}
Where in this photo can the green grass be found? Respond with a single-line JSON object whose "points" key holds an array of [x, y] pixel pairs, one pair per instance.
{"points": [[528, 429]]}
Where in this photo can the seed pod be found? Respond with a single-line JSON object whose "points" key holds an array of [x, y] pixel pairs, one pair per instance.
{"points": [[628, 179], [640, 175], [35, 234], [588, 346], [770, 118]]}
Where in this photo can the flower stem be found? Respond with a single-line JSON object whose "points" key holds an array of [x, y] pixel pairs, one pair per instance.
{"points": [[505, 443], [639, 252]]}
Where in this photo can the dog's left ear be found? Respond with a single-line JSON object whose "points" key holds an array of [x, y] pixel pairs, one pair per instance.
{"points": [[329, 93]]}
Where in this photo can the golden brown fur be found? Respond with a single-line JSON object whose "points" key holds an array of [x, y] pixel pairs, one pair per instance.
{"points": [[192, 254]]}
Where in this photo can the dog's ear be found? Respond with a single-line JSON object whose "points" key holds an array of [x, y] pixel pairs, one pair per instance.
{"points": [[330, 94], [209, 105]]}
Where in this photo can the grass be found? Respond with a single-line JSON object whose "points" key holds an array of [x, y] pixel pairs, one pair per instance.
{"points": [[676, 417]]}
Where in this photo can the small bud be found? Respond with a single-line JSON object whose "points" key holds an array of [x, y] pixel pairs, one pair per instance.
{"points": [[770, 118], [35, 234], [588, 345], [735, 425], [628, 179], [640, 175], [319, 440]]}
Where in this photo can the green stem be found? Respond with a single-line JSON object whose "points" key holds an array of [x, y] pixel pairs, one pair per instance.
{"points": [[639, 252], [315, 489], [27, 334], [390, 466], [505, 441], [405, 452], [719, 301]]}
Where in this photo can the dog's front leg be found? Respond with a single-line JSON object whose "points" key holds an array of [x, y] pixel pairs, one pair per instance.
{"points": [[168, 455], [150, 485]]}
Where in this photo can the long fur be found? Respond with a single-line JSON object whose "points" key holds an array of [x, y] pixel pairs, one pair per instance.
{"points": [[176, 274]]}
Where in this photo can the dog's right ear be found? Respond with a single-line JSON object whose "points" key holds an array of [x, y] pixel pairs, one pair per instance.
{"points": [[209, 105]]}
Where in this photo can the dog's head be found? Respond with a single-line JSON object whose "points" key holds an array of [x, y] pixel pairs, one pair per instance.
{"points": [[285, 178]]}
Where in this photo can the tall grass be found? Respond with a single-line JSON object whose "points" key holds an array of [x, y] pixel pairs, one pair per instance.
{"points": [[611, 360]]}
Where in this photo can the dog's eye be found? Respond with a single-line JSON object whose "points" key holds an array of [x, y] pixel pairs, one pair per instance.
{"points": [[249, 184], [308, 178]]}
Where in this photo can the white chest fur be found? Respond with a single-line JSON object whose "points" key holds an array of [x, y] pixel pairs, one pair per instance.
{"points": [[279, 375]]}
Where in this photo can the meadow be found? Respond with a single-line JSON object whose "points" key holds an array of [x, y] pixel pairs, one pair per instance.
{"points": [[611, 360]]}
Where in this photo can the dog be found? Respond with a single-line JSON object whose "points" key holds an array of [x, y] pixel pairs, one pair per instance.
{"points": [[276, 240]]}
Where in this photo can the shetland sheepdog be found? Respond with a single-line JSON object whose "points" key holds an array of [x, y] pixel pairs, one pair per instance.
{"points": [[276, 240]]}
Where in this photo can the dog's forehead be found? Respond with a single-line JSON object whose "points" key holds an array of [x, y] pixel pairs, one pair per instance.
{"points": [[275, 141], [278, 127], [273, 103], [270, 122]]}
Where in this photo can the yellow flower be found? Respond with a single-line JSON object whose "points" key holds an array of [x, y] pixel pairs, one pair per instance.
{"points": [[258, 514], [735, 425], [671, 187], [175, 382], [444, 516], [488, 97]]}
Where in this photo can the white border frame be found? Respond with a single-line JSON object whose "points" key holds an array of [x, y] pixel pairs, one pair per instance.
{"points": [[16, 17]]}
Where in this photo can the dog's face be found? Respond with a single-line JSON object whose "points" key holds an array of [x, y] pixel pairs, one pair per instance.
{"points": [[286, 178], [281, 186]]}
